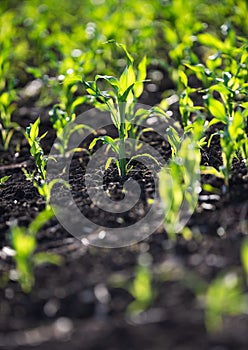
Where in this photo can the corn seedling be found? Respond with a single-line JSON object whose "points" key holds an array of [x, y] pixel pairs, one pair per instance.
{"points": [[61, 121], [224, 296], [120, 102], [186, 104], [230, 109], [39, 178], [24, 244], [194, 130], [63, 114], [179, 186], [141, 287], [36, 150], [233, 138]]}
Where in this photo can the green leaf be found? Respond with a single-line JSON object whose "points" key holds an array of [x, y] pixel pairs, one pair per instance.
{"points": [[110, 79], [91, 87], [137, 156], [142, 69], [183, 77], [138, 87], [237, 126], [211, 189], [40, 220], [214, 121], [143, 131], [93, 142], [217, 109], [33, 130], [47, 258], [223, 296], [42, 136], [109, 160], [78, 101], [209, 170], [127, 79], [110, 141], [141, 288], [23, 243], [78, 127], [72, 79], [174, 139], [199, 68], [210, 40], [211, 137], [4, 179], [123, 98], [124, 48], [106, 140], [221, 88]]}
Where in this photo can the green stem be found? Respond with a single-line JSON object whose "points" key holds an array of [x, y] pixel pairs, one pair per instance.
{"points": [[122, 153]]}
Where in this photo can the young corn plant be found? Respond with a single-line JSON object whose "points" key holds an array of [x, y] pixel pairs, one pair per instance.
{"points": [[226, 76], [63, 114], [120, 101], [194, 130], [233, 138], [141, 290], [23, 241], [38, 177], [179, 186], [36, 150], [192, 118], [186, 104], [140, 287], [62, 124], [224, 296]]}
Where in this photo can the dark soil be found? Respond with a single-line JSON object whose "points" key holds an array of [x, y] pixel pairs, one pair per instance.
{"points": [[77, 305]]}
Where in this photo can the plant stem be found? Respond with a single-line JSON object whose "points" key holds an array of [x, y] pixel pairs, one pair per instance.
{"points": [[122, 153]]}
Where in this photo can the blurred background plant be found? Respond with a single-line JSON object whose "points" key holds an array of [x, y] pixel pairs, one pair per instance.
{"points": [[54, 39], [24, 243]]}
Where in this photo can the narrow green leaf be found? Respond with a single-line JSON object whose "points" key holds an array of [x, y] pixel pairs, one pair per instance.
{"points": [[93, 142], [40, 220], [4, 179], [123, 98], [183, 77], [107, 165], [127, 79], [138, 87], [217, 109], [34, 129], [137, 156], [209, 170], [210, 40], [47, 258]]}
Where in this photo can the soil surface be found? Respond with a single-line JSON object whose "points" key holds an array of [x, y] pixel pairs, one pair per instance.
{"points": [[80, 305]]}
